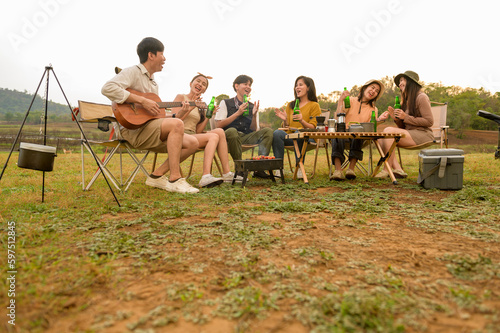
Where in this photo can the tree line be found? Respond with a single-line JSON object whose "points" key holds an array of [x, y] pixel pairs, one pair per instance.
{"points": [[14, 105], [463, 104]]}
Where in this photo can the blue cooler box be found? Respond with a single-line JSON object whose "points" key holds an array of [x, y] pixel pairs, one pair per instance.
{"points": [[441, 168]]}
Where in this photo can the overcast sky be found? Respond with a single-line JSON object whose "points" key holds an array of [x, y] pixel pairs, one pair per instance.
{"points": [[337, 43]]}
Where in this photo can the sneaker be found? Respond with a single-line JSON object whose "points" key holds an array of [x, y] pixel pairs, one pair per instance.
{"points": [[299, 174], [337, 175], [181, 186], [228, 177], [157, 182], [382, 174], [261, 174], [209, 181], [349, 174], [398, 173]]}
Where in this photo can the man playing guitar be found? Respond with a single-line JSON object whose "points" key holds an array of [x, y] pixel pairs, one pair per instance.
{"points": [[159, 134]]}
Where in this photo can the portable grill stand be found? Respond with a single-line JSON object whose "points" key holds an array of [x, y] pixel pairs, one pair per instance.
{"points": [[47, 71]]}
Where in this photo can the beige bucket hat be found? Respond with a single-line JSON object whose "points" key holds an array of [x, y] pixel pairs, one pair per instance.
{"points": [[382, 87]]}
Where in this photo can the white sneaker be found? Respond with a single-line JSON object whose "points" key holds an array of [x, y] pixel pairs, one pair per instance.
{"points": [[181, 186], [157, 182], [228, 177], [210, 181], [299, 174]]}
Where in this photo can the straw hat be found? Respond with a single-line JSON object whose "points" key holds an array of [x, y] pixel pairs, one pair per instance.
{"points": [[382, 87], [409, 75]]}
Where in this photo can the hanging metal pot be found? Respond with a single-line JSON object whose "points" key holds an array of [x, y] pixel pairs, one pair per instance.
{"points": [[36, 157]]}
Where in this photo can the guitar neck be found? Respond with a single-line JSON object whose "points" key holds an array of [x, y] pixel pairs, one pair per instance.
{"points": [[169, 105]]}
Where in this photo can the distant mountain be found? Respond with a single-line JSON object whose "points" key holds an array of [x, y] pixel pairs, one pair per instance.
{"points": [[16, 102]]}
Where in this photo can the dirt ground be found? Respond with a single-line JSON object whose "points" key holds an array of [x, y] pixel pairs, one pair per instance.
{"points": [[393, 246], [365, 254]]}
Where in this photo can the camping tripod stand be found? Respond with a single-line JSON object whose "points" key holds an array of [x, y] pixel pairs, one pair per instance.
{"points": [[49, 69]]}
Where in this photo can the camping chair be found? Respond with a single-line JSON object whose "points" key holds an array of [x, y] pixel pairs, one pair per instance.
{"points": [[439, 129], [103, 115], [321, 143], [363, 169]]}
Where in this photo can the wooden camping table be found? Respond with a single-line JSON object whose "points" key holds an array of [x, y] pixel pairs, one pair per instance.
{"points": [[374, 136]]}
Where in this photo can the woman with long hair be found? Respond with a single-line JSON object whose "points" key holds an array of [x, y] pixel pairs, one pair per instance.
{"points": [[195, 121], [309, 109], [414, 119], [359, 111]]}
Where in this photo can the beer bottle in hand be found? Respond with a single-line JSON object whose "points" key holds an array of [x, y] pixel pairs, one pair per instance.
{"points": [[247, 110], [347, 102], [397, 105], [373, 120], [210, 108], [296, 109]]}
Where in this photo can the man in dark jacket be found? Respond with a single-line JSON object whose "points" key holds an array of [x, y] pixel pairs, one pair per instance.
{"points": [[239, 121]]}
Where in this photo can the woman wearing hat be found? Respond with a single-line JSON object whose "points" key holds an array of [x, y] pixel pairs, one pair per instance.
{"points": [[413, 119], [359, 112]]}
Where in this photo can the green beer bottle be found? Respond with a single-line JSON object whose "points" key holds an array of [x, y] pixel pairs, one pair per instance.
{"points": [[347, 102], [211, 107], [296, 109], [397, 105], [247, 110], [373, 120]]}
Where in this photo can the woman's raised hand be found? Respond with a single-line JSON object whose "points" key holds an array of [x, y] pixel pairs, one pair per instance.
{"points": [[384, 116], [390, 110], [344, 94], [280, 113]]}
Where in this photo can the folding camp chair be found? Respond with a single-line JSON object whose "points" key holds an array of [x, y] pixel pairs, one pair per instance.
{"points": [[439, 129], [102, 114]]}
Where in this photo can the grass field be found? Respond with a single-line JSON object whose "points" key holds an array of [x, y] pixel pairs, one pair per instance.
{"points": [[353, 256]]}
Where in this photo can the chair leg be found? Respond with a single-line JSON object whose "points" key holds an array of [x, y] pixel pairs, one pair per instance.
{"points": [[370, 158], [154, 163], [83, 163], [400, 160], [138, 168], [191, 166], [218, 165], [289, 161], [327, 154], [316, 150]]}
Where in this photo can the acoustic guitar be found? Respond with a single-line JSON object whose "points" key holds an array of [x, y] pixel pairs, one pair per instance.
{"points": [[134, 115]]}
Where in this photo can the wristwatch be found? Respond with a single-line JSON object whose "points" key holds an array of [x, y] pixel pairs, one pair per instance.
{"points": [[173, 115]]}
